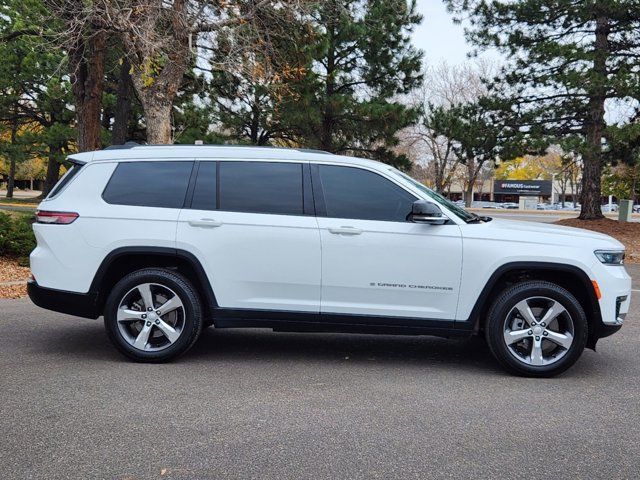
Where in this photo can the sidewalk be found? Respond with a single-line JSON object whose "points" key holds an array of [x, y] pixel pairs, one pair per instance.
{"points": [[21, 194]]}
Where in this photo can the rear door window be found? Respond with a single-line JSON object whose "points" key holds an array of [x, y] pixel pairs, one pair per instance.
{"points": [[149, 184], [261, 187]]}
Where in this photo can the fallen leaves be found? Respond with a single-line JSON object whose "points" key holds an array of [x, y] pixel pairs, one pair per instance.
{"points": [[13, 278], [13, 291]]}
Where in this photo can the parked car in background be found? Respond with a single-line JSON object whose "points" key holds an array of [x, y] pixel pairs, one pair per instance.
{"points": [[510, 205], [568, 207]]}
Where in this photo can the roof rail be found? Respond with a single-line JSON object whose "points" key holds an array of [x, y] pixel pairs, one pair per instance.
{"points": [[313, 150], [126, 146], [129, 145]]}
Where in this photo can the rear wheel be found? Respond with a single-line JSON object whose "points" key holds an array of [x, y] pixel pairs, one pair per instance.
{"points": [[153, 315], [536, 329]]}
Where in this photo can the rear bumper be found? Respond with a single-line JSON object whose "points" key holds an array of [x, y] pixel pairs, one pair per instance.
{"points": [[72, 303]]}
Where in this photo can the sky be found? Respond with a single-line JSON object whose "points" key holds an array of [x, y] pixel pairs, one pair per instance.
{"points": [[440, 39], [437, 36]]}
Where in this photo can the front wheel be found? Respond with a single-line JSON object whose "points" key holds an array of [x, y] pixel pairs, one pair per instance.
{"points": [[153, 315], [536, 329]]}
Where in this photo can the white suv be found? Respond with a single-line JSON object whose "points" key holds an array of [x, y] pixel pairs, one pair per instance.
{"points": [[164, 240]]}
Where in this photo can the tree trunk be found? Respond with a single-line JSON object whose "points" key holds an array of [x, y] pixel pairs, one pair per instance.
{"points": [[439, 180], [326, 134], [254, 124], [53, 170], [12, 177], [86, 62], [472, 174], [124, 96], [468, 195], [592, 170], [157, 93], [590, 198], [158, 120], [12, 162]]}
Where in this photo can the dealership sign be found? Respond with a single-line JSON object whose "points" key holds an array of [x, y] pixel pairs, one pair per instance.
{"points": [[522, 187]]}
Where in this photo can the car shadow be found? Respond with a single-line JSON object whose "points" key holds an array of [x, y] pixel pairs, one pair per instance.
{"points": [[426, 351], [89, 340], [265, 343], [86, 342]]}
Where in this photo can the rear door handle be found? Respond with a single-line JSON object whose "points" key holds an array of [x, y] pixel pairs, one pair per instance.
{"points": [[345, 231], [205, 223]]}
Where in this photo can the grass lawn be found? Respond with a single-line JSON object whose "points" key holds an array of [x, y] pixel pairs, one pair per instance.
{"points": [[20, 201], [18, 213]]}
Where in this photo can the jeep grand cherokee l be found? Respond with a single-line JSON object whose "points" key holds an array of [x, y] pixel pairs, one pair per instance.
{"points": [[165, 240]]}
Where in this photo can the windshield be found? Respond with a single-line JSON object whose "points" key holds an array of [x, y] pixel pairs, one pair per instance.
{"points": [[449, 205]]}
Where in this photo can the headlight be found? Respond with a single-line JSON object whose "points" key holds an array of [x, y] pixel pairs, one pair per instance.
{"points": [[610, 257]]}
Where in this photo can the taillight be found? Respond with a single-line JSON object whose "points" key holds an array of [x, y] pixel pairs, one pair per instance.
{"points": [[56, 218]]}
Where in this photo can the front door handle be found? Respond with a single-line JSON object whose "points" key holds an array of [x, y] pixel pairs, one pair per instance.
{"points": [[345, 231], [205, 223]]}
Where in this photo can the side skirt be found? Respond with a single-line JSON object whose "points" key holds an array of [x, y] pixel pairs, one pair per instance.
{"points": [[287, 321]]}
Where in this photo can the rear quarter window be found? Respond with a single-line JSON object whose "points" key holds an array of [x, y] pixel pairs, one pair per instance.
{"points": [[149, 184], [64, 181]]}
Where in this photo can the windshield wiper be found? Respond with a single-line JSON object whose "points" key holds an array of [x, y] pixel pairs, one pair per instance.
{"points": [[477, 218]]}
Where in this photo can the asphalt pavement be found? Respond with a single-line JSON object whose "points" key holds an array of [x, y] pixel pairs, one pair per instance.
{"points": [[257, 404]]}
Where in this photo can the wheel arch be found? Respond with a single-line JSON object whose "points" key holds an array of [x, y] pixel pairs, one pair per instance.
{"points": [[570, 277], [124, 260]]}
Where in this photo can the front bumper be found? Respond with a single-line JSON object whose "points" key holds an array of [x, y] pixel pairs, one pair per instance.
{"points": [[72, 303], [615, 285]]}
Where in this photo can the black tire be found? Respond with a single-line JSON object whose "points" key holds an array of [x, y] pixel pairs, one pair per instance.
{"points": [[190, 315], [499, 315]]}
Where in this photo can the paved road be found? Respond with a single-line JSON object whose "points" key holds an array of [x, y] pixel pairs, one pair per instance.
{"points": [[257, 404]]}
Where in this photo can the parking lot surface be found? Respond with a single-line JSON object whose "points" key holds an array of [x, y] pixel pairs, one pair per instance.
{"points": [[257, 404]]}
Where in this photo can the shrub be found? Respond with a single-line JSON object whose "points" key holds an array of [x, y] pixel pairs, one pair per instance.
{"points": [[16, 236], [6, 226]]}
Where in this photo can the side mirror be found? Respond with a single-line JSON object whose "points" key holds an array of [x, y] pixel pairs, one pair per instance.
{"points": [[426, 212]]}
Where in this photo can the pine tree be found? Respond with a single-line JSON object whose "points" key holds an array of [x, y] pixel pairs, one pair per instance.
{"points": [[250, 90], [361, 60], [566, 59], [34, 97], [477, 136]]}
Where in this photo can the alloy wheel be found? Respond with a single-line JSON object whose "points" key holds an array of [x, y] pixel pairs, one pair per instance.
{"points": [[538, 331], [151, 317]]}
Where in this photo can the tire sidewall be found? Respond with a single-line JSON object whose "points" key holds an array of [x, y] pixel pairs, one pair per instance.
{"points": [[505, 303], [181, 287]]}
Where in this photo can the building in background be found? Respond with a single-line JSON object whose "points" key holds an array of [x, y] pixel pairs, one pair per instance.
{"points": [[510, 191]]}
